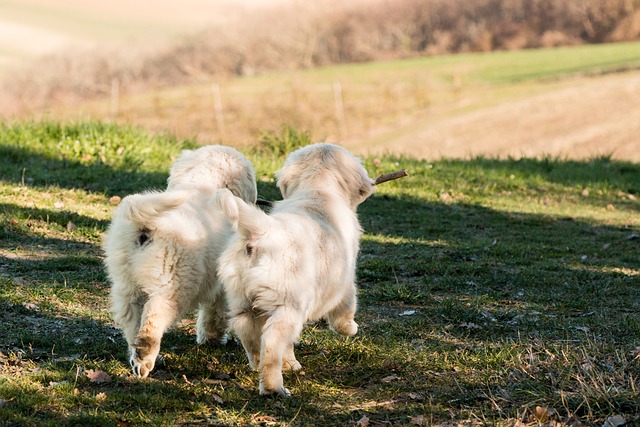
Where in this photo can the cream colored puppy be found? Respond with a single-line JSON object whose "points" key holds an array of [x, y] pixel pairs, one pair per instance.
{"points": [[162, 252], [297, 263]]}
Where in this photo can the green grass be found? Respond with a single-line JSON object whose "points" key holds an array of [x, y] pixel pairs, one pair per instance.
{"points": [[487, 288], [499, 66]]}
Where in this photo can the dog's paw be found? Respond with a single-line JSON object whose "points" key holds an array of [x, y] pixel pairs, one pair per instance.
{"points": [[278, 392], [141, 367], [204, 338], [224, 339], [291, 365], [348, 328], [254, 361]]}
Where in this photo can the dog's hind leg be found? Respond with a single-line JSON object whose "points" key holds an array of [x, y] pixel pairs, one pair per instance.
{"points": [[212, 320], [158, 315], [289, 361], [281, 330], [341, 317], [127, 310], [247, 328]]}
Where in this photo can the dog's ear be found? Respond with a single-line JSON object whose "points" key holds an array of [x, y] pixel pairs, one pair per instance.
{"points": [[352, 176], [283, 178], [365, 190]]}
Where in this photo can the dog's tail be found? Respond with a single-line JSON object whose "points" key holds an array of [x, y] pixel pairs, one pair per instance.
{"points": [[144, 209], [247, 219]]}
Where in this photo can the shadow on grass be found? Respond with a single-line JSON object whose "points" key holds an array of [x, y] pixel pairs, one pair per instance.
{"points": [[598, 171], [24, 167], [478, 265], [434, 279], [21, 166]]}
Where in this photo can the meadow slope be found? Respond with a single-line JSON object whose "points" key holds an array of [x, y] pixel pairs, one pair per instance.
{"points": [[575, 103]]}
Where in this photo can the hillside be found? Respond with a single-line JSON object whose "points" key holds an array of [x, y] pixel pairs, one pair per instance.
{"points": [[575, 102]]}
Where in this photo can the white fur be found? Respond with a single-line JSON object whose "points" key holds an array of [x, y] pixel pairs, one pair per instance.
{"points": [[297, 263], [162, 250]]}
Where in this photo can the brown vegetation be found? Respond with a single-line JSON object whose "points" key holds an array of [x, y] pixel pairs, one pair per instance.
{"points": [[320, 33]]}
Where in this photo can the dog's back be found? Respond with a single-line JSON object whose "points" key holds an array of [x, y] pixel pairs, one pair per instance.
{"points": [[212, 167]]}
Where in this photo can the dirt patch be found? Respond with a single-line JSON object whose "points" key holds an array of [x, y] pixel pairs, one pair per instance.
{"points": [[593, 117]]}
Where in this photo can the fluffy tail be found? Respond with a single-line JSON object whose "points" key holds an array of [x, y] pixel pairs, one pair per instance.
{"points": [[144, 209], [247, 219]]}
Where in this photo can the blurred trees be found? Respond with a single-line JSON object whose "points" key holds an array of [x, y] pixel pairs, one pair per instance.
{"points": [[307, 34]]}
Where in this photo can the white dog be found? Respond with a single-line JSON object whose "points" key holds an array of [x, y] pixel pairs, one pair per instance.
{"points": [[162, 250], [297, 263]]}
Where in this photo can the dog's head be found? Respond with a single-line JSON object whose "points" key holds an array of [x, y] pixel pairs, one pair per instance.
{"points": [[213, 167], [322, 166]]}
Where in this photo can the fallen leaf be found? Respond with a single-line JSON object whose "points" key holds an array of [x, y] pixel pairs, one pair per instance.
{"points": [[489, 316], [57, 383], [97, 376], [389, 364], [363, 422], [265, 419], [101, 396], [415, 396], [542, 415], [217, 398], [407, 313], [115, 200], [633, 236], [585, 192], [446, 198], [120, 150], [610, 207], [13, 221], [420, 420], [390, 378], [222, 376], [470, 325], [631, 197], [71, 226], [614, 421]]}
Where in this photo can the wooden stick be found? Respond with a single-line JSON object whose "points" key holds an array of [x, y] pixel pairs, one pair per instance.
{"points": [[390, 176]]}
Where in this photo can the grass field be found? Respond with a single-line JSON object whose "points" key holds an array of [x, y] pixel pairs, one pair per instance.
{"points": [[492, 292]]}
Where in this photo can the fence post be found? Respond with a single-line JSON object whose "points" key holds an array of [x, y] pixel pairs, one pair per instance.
{"points": [[115, 98], [338, 100], [217, 105]]}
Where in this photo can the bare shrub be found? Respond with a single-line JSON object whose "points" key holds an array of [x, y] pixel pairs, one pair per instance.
{"points": [[309, 34]]}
